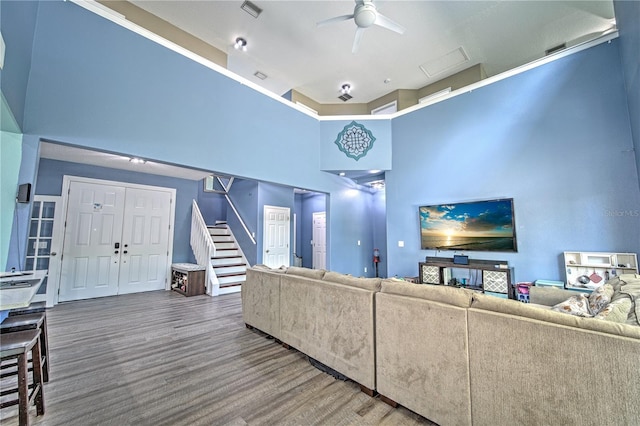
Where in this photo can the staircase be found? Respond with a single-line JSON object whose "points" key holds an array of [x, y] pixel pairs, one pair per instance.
{"points": [[228, 261]]}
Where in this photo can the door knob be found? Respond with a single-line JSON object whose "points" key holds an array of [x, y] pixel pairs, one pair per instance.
{"points": [[116, 252], [125, 252], [53, 253], [267, 251]]}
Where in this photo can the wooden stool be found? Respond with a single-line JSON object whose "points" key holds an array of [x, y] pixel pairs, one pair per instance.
{"points": [[17, 346], [30, 322]]}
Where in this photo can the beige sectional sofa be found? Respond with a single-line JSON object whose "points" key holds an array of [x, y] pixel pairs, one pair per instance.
{"points": [[453, 356], [326, 315]]}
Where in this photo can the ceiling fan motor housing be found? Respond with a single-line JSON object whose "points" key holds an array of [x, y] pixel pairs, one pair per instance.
{"points": [[365, 15]]}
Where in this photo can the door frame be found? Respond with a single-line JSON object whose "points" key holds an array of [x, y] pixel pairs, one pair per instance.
{"points": [[264, 233], [313, 247], [66, 183]]}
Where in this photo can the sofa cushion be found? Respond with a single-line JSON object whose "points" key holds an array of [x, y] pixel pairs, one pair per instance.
{"points": [[261, 267], [617, 311], [460, 297], [512, 307], [306, 272], [548, 295], [372, 284], [599, 298]]}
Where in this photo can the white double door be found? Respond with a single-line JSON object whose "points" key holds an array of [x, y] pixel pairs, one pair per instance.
{"points": [[116, 240]]}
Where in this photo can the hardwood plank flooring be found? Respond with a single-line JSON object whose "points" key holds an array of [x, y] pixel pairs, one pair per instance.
{"points": [[160, 358]]}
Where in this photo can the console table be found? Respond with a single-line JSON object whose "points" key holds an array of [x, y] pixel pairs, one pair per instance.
{"points": [[491, 276]]}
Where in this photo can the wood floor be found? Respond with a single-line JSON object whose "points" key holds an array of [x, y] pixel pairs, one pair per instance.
{"points": [[160, 358]]}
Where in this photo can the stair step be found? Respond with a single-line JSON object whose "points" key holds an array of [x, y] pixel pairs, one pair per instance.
{"points": [[222, 238], [226, 252], [226, 260], [223, 270], [225, 244], [227, 279]]}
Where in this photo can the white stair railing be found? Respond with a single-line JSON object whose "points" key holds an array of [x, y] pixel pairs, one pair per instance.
{"points": [[203, 248]]}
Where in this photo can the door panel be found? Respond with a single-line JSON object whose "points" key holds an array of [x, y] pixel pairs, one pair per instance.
{"points": [[319, 240], [145, 238], [90, 264], [276, 236]]}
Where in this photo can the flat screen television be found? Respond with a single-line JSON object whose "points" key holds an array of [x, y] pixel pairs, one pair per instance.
{"points": [[470, 226]]}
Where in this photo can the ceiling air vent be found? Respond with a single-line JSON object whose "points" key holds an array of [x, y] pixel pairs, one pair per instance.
{"points": [[345, 97], [251, 9]]}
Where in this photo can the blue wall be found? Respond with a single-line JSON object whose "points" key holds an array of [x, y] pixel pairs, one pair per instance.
{"points": [[51, 172], [18, 23], [628, 21], [28, 169], [310, 204], [244, 195], [97, 85], [212, 205], [556, 139]]}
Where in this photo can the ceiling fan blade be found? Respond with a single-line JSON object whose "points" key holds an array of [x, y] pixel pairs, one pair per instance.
{"points": [[356, 40], [387, 23], [334, 20]]}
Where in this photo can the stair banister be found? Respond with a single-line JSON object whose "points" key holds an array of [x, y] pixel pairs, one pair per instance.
{"points": [[203, 248]]}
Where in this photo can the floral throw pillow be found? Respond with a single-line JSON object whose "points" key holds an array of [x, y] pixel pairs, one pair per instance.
{"points": [[577, 305], [599, 298]]}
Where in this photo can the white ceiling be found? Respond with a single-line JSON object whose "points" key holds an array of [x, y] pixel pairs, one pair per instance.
{"points": [[285, 44], [74, 154]]}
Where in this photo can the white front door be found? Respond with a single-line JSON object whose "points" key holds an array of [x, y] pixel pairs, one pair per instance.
{"points": [[320, 240], [276, 236], [117, 239], [91, 253], [145, 237]]}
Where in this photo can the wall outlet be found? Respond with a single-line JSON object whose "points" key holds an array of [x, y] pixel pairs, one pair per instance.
{"points": [[365, 269], [359, 244], [400, 243]]}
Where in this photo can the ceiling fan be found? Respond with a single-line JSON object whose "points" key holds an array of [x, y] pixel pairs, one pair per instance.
{"points": [[364, 15]]}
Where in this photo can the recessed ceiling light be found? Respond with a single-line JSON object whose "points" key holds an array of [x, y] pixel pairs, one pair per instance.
{"points": [[137, 160], [387, 80], [343, 174], [373, 172], [260, 75], [240, 44], [345, 89]]}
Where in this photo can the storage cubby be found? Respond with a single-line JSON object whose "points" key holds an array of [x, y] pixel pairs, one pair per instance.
{"points": [[188, 279], [588, 266]]}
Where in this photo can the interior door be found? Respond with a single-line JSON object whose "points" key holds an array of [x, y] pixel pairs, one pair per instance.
{"points": [[320, 240], [44, 243], [276, 236], [145, 239], [91, 253]]}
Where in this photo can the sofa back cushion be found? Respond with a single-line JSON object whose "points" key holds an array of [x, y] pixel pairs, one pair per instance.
{"points": [[460, 297], [306, 272], [512, 307], [372, 284]]}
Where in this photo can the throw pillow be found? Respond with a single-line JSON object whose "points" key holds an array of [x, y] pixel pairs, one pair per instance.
{"points": [[615, 311], [599, 298], [577, 305]]}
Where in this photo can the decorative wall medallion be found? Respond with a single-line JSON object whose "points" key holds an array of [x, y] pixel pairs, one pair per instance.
{"points": [[355, 140]]}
